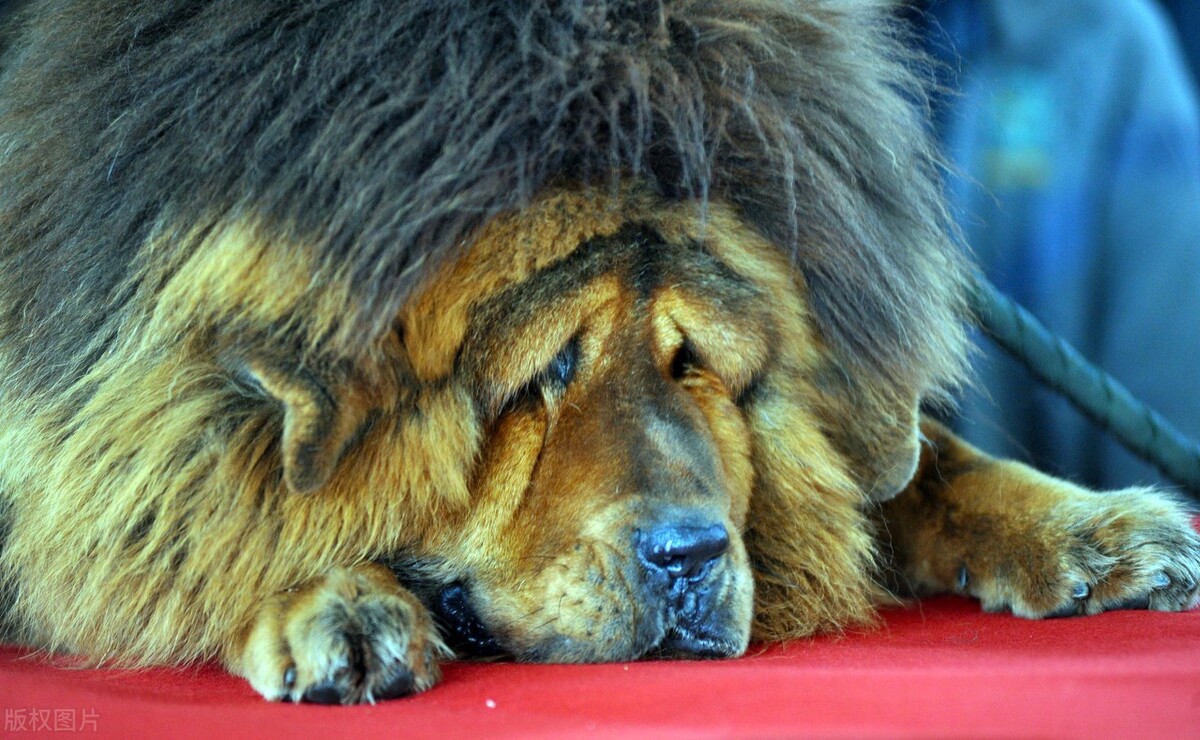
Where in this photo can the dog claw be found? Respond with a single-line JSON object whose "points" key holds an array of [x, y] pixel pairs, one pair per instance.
{"points": [[1162, 580], [964, 579], [402, 685], [289, 677], [1079, 592]]}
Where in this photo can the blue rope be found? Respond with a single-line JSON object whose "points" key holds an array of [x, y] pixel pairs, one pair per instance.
{"points": [[1095, 393]]}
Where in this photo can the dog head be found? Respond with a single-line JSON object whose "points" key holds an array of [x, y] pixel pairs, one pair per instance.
{"points": [[614, 483], [606, 429], [631, 415]]}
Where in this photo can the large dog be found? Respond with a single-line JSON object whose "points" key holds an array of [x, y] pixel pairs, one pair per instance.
{"points": [[333, 331]]}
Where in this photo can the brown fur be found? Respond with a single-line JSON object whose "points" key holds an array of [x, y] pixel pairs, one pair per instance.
{"points": [[282, 399], [1022, 541]]}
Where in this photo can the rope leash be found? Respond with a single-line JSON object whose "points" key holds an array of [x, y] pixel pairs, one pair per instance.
{"points": [[1095, 393]]}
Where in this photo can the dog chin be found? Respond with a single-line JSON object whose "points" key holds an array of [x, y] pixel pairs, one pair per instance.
{"points": [[675, 626]]}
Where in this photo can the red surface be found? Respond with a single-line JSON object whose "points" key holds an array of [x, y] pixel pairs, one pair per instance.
{"points": [[942, 668]]}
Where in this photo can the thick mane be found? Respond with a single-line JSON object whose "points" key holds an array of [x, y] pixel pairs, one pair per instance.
{"points": [[375, 135]]}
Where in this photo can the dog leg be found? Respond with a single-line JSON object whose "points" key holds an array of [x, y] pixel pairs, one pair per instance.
{"points": [[1020, 540], [354, 635]]}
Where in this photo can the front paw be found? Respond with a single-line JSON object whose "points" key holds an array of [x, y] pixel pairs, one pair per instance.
{"points": [[1089, 552], [353, 636]]}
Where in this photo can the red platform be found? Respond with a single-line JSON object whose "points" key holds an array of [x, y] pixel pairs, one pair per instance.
{"points": [[942, 668]]}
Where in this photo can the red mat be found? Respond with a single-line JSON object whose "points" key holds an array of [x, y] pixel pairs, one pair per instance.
{"points": [[942, 668]]}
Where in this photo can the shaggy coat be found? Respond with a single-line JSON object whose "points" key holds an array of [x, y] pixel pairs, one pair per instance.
{"points": [[603, 325], [378, 134], [207, 190]]}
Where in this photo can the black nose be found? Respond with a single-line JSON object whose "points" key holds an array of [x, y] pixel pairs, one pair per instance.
{"points": [[682, 551]]}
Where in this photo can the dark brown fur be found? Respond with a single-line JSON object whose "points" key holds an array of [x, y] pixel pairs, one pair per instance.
{"points": [[504, 300], [374, 135]]}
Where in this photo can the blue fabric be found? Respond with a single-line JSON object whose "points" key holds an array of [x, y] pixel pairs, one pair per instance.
{"points": [[1078, 136], [1187, 19]]}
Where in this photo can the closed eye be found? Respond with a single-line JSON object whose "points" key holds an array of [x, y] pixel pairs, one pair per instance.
{"points": [[685, 361], [561, 370], [552, 380]]}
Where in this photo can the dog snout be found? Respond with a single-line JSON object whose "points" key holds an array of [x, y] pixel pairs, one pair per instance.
{"points": [[681, 551]]}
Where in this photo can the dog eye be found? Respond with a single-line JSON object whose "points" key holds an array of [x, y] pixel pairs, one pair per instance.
{"points": [[554, 378], [561, 370], [685, 361]]}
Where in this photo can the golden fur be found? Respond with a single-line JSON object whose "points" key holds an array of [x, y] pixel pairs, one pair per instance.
{"points": [[587, 422], [525, 502]]}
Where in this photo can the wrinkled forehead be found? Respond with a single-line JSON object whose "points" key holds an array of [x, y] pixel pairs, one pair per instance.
{"points": [[542, 270]]}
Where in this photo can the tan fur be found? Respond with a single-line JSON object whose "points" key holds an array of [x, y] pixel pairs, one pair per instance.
{"points": [[1020, 540], [220, 494], [378, 629]]}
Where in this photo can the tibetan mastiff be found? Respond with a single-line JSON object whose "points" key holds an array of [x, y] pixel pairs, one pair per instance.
{"points": [[338, 335]]}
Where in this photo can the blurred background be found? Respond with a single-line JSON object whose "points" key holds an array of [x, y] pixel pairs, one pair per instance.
{"points": [[1186, 16], [1075, 129]]}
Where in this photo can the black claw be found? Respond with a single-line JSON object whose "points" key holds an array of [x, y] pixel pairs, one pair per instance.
{"points": [[1081, 591], [964, 579], [402, 685], [326, 693], [1162, 580], [289, 677]]}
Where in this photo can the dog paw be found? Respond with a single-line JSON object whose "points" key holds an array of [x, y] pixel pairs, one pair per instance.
{"points": [[1087, 553], [353, 636]]}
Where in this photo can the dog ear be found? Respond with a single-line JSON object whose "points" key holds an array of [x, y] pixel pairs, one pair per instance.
{"points": [[886, 452], [878, 433], [323, 412]]}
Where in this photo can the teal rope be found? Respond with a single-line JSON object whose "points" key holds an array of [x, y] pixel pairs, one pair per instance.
{"points": [[1095, 393]]}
